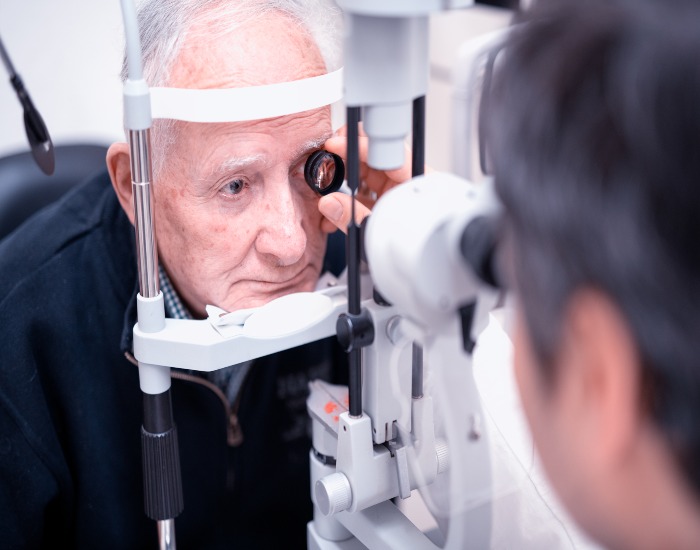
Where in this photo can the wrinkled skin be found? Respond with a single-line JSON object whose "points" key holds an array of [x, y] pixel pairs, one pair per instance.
{"points": [[236, 224]]}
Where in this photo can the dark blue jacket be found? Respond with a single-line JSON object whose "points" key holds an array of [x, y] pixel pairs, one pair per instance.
{"points": [[71, 407]]}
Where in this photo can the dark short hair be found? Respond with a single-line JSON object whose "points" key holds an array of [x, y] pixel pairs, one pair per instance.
{"points": [[594, 141]]}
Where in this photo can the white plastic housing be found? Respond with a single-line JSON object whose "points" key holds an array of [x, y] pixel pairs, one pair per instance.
{"points": [[386, 68], [412, 245]]}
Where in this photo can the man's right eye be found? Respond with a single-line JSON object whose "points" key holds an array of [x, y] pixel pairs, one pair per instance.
{"points": [[234, 187]]}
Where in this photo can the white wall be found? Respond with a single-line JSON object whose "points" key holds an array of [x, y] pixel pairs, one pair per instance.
{"points": [[68, 53], [449, 31]]}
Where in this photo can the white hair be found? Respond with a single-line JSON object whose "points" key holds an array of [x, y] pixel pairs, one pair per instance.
{"points": [[164, 25]]}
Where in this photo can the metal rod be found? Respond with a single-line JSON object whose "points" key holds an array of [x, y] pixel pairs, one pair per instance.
{"points": [[147, 257], [355, 383], [353, 259], [418, 158], [6, 60], [417, 372], [353, 251], [417, 169], [166, 534]]}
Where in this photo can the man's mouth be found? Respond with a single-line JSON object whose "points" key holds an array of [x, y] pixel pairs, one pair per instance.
{"points": [[258, 292], [284, 280]]}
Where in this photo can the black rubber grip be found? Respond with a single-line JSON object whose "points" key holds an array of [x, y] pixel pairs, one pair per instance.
{"points": [[162, 481]]}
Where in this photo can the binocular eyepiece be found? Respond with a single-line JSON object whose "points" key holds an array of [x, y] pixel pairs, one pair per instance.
{"points": [[324, 172]]}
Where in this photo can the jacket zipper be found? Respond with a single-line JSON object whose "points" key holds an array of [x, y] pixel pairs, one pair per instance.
{"points": [[234, 433]]}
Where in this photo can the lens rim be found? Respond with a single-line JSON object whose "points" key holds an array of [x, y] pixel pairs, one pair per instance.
{"points": [[314, 161]]}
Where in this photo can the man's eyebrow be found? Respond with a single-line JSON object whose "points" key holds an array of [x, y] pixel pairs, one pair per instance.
{"points": [[309, 145], [236, 163], [227, 167]]}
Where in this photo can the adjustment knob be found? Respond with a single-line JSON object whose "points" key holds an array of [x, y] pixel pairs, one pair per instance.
{"points": [[354, 331], [333, 494]]}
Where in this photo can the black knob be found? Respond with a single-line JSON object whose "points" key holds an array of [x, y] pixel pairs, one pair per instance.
{"points": [[354, 331]]}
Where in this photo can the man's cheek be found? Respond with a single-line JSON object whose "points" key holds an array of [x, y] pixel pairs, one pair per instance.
{"points": [[318, 237]]}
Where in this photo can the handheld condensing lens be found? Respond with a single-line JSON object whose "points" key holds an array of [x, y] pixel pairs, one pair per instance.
{"points": [[324, 172]]}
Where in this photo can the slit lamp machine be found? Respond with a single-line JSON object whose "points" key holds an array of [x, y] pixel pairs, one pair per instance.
{"points": [[410, 419]]}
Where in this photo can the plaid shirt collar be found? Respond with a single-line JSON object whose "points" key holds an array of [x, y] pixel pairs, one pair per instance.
{"points": [[174, 308]]}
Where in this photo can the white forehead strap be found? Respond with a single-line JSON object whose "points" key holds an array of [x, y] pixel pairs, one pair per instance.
{"points": [[251, 103]]}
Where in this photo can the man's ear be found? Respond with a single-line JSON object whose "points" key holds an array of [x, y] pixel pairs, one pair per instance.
{"points": [[119, 166], [602, 377]]}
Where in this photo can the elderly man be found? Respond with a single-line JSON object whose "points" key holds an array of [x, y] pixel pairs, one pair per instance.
{"points": [[593, 135], [236, 227]]}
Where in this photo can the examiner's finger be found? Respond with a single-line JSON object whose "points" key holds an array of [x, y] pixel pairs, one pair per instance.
{"points": [[336, 207]]}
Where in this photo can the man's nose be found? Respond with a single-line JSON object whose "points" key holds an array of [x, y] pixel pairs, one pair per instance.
{"points": [[282, 235]]}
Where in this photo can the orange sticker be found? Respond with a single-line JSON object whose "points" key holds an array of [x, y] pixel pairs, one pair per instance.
{"points": [[331, 407]]}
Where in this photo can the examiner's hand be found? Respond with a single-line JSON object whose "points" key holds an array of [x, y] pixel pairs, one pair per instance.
{"points": [[373, 184], [336, 208]]}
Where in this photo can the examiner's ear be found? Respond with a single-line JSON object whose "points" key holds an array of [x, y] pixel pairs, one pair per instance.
{"points": [[119, 166], [601, 378]]}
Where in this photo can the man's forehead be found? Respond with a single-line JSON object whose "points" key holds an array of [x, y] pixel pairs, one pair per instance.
{"points": [[248, 55], [290, 131], [244, 78]]}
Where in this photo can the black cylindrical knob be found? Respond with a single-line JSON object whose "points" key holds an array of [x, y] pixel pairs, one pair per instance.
{"points": [[161, 472], [354, 331]]}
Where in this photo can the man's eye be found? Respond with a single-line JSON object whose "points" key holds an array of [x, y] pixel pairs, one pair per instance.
{"points": [[234, 187], [298, 170]]}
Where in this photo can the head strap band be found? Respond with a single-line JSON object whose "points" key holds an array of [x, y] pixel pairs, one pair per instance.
{"points": [[250, 103]]}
